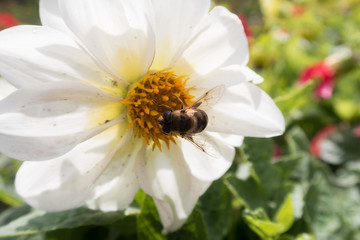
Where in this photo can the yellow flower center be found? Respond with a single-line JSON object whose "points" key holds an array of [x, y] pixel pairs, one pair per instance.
{"points": [[148, 99]]}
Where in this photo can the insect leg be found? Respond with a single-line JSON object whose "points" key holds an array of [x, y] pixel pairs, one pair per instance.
{"points": [[181, 101], [164, 106]]}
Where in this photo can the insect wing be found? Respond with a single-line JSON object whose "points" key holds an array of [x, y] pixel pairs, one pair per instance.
{"points": [[209, 98], [204, 143]]}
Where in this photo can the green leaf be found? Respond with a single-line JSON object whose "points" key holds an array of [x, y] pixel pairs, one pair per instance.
{"points": [[193, 229], [40, 236], [260, 151], [149, 225], [87, 232], [340, 146], [215, 207], [346, 101], [259, 222], [321, 208], [125, 226], [38, 221], [305, 236], [285, 214], [148, 222], [240, 189], [13, 213], [139, 197], [9, 198], [297, 141], [347, 202], [124, 229], [297, 197], [295, 99], [295, 166], [285, 237], [8, 168]]}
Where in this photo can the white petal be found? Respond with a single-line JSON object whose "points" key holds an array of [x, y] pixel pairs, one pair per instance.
{"points": [[214, 163], [175, 22], [169, 219], [33, 54], [116, 187], [166, 177], [118, 33], [6, 88], [230, 139], [46, 120], [50, 15], [64, 183], [246, 110], [251, 76], [219, 41], [228, 76]]}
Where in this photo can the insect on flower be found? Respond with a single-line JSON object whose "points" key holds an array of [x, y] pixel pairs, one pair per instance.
{"points": [[109, 101], [190, 120]]}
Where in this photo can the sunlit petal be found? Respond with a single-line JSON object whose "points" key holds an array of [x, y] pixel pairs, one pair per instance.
{"points": [[211, 164], [166, 177], [50, 15], [218, 42], [44, 121], [6, 88], [246, 110], [115, 188], [173, 33], [33, 54], [118, 33], [65, 182]]}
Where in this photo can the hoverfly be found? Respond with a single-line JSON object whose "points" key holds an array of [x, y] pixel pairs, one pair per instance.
{"points": [[191, 119]]}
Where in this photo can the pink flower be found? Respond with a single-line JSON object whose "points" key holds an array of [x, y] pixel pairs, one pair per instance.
{"points": [[325, 73], [7, 20], [319, 137]]}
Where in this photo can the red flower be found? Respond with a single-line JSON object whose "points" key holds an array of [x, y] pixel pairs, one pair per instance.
{"points": [[325, 73], [247, 28], [7, 20], [319, 137]]}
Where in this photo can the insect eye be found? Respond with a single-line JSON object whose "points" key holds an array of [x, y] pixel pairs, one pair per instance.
{"points": [[167, 116], [161, 121]]}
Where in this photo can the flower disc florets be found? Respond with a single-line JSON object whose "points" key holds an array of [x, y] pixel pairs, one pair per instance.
{"points": [[148, 99]]}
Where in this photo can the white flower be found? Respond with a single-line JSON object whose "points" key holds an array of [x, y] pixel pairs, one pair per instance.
{"points": [[73, 74], [5, 88]]}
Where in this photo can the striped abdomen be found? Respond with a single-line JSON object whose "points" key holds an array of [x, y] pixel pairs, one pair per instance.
{"points": [[188, 121]]}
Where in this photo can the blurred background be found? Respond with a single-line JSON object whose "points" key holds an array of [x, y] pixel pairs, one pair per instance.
{"points": [[308, 52]]}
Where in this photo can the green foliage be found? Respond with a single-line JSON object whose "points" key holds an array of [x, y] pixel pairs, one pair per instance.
{"points": [[216, 210], [259, 222], [25, 10], [37, 221], [148, 222]]}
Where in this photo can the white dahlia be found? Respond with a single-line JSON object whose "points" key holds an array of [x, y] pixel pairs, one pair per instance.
{"points": [[5, 88], [92, 83]]}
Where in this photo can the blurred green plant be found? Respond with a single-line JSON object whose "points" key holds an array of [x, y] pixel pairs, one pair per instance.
{"points": [[27, 11]]}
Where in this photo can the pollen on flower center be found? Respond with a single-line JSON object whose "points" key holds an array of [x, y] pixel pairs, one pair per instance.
{"points": [[147, 101]]}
